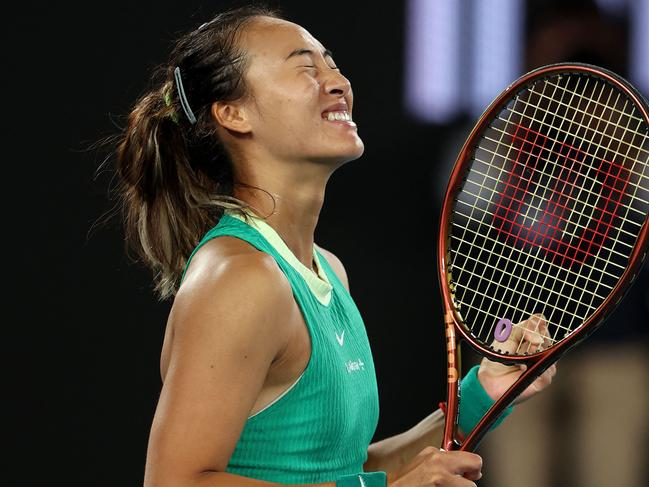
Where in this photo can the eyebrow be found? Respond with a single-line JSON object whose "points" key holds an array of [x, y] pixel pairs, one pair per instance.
{"points": [[301, 51]]}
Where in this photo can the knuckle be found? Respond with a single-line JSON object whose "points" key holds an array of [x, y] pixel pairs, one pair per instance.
{"points": [[437, 480], [430, 449], [433, 459]]}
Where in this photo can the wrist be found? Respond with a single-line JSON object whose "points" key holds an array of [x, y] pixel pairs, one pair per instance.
{"points": [[363, 479], [475, 402]]}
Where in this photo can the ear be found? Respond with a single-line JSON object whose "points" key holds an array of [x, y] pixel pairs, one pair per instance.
{"points": [[231, 116]]}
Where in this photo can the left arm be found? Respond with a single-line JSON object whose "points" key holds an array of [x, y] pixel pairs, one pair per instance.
{"points": [[393, 453]]}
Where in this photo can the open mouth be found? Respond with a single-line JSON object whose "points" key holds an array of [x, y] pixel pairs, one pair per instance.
{"points": [[337, 116], [340, 117]]}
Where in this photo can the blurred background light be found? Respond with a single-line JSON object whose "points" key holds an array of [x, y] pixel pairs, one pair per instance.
{"points": [[639, 45], [459, 54], [496, 50], [432, 59]]}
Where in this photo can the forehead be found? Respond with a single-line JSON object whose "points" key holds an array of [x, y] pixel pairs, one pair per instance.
{"points": [[272, 40]]}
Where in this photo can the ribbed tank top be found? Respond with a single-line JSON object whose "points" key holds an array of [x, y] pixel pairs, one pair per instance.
{"points": [[319, 428]]}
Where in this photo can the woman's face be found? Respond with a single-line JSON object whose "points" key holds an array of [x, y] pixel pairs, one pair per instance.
{"points": [[295, 83]]}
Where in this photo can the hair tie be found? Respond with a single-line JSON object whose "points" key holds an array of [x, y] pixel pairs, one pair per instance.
{"points": [[173, 115], [183, 98]]}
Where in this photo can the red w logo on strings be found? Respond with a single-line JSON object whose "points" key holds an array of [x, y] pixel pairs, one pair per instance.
{"points": [[585, 194]]}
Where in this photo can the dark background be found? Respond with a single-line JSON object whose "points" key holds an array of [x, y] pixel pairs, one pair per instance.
{"points": [[85, 330]]}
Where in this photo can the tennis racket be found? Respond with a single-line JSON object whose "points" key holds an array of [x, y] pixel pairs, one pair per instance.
{"points": [[544, 224]]}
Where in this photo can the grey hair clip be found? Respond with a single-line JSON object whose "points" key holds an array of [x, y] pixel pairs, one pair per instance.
{"points": [[183, 98]]}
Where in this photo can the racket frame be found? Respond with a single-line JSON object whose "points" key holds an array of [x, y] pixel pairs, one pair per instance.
{"points": [[456, 332]]}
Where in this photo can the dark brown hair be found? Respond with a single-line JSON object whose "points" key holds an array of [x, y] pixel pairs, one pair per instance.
{"points": [[175, 177]]}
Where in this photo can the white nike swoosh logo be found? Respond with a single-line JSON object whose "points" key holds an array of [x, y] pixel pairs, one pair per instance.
{"points": [[340, 338], [361, 478]]}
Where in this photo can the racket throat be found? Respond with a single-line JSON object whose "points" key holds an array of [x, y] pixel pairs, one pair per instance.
{"points": [[449, 442]]}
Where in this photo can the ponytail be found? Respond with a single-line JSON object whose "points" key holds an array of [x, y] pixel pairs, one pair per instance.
{"points": [[167, 205], [175, 176]]}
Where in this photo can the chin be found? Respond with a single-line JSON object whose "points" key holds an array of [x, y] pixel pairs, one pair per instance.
{"points": [[349, 154], [337, 160]]}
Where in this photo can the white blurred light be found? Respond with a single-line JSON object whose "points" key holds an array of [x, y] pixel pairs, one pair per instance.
{"points": [[445, 77], [432, 57], [639, 55], [496, 50]]}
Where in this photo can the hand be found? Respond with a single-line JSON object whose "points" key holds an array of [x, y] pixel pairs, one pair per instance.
{"points": [[434, 467], [530, 335]]}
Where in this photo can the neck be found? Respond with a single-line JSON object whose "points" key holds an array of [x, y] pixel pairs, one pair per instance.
{"points": [[298, 191]]}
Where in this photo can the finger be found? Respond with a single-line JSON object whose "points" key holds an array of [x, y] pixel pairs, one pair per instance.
{"points": [[544, 332], [464, 463], [474, 475], [510, 338], [545, 379], [535, 329], [536, 333], [532, 334], [549, 374]]}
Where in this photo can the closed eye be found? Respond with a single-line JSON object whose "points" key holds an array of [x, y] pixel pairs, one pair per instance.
{"points": [[315, 67]]}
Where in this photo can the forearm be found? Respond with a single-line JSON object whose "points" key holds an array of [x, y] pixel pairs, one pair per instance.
{"points": [[392, 453]]}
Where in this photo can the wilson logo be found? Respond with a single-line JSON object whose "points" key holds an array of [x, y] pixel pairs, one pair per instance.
{"points": [[450, 347], [542, 203]]}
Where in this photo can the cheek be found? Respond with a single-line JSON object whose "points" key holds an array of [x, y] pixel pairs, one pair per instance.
{"points": [[289, 109], [299, 96], [296, 114]]}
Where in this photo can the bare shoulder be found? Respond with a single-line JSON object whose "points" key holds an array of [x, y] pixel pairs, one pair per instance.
{"points": [[335, 264], [216, 259], [229, 263], [230, 281]]}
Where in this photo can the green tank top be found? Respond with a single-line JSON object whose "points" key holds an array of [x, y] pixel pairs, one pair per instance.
{"points": [[319, 428]]}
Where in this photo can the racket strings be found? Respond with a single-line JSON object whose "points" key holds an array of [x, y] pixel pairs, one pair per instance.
{"points": [[532, 119], [537, 260], [509, 271], [640, 149], [611, 126], [537, 207], [586, 177], [616, 146], [552, 204], [631, 114], [503, 213], [580, 125]]}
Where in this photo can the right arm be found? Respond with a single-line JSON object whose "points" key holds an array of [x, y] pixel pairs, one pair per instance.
{"points": [[228, 325]]}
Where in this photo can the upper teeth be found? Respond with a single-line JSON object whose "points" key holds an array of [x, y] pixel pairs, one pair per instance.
{"points": [[331, 116]]}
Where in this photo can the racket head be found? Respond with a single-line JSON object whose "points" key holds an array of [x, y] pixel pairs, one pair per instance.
{"points": [[530, 152]]}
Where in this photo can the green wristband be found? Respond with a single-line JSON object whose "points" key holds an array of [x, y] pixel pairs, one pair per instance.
{"points": [[474, 402], [362, 479]]}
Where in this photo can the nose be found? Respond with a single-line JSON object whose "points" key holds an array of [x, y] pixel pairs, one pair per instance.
{"points": [[337, 84]]}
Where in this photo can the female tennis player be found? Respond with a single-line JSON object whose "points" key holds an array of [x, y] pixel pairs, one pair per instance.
{"points": [[267, 371]]}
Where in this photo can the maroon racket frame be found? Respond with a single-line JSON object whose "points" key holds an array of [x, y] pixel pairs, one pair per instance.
{"points": [[538, 362]]}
